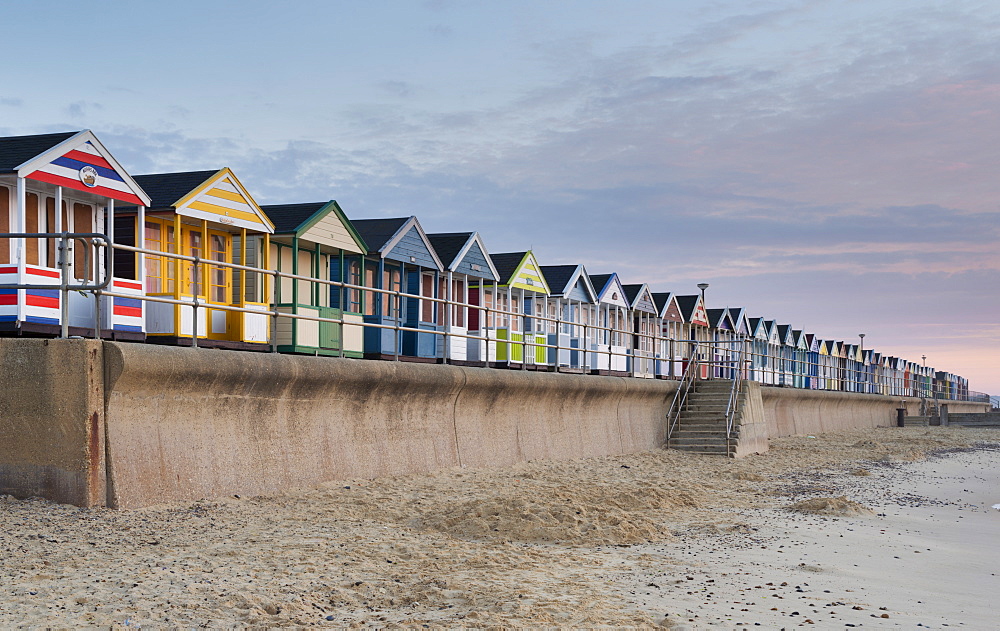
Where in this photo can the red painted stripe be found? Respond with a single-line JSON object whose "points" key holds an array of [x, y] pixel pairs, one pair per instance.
{"points": [[41, 301], [42, 272], [89, 158], [8, 270], [8, 299], [121, 283], [103, 191], [134, 312]]}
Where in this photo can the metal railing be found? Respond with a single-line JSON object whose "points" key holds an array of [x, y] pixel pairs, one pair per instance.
{"points": [[769, 365]]}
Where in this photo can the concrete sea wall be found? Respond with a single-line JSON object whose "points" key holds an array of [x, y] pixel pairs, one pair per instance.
{"points": [[129, 425]]}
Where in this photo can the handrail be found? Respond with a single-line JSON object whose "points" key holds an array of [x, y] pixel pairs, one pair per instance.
{"points": [[680, 396], [732, 407]]}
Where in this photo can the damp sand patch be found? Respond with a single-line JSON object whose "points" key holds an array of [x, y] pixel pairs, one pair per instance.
{"points": [[832, 506]]}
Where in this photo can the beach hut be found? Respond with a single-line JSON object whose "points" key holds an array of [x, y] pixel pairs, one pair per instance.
{"points": [[645, 325], [800, 359], [307, 239], [405, 318], [812, 361], [612, 340], [467, 263], [520, 294], [721, 328], [696, 330], [74, 173], [786, 355], [572, 302], [209, 215], [670, 358]]}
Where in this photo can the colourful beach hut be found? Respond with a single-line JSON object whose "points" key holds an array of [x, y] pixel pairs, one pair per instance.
{"points": [[670, 358], [612, 341], [696, 329], [402, 262], [74, 173], [520, 294], [209, 215], [467, 263], [572, 302], [645, 325], [307, 239]]}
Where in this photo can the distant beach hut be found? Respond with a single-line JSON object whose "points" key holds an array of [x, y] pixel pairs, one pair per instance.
{"points": [[697, 329], [645, 325], [786, 355], [402, 261], [209, 215], [721, 329], [800, 360], [308, 239], [467, 264], [572, 303], [670, 358], [74, 173], [612, 342], [812, 361], [520, 294]]}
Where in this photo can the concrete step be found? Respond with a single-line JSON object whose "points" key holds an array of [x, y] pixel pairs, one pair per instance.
{"points": [[702, 416], [707, 442], [701, 427], [721, 450]]}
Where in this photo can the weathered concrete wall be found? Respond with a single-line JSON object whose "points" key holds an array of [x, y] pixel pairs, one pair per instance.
{"points": [[129, 425], [189, 423], [792, 412], [754, 431], [52, 420]]}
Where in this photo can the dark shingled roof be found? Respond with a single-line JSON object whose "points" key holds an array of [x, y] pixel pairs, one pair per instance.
{"points": [[752, 324], [16, 150], [164, 189], [715, 317], [506, 264], [289, 218], [558, 276], [600, 281], [377, 232], [660, 300], [447, 245], [783, 332], [687, 305], [632, 292]]}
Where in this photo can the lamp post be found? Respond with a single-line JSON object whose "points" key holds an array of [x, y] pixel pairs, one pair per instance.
{"points": [[924, 357], [703, 287], [862, 336]]}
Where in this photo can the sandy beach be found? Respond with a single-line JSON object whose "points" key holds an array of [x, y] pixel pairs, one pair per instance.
{"points": [[879, 528]]}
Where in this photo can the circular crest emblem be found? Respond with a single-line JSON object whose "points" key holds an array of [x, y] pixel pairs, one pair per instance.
{"points": [[88, 175]]}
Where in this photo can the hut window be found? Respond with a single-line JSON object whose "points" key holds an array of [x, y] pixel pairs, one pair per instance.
{"points": [[4, 223], [160, 270], [219, 277], [439, 306], [83, 221], [427, 291], [458, 295], [375, 296], [391, 280], [31, 225]]}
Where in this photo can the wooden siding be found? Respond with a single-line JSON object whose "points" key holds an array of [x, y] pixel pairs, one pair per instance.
{"points": [[412, 250], [331, 232], [529, 277], [222, 200], [579, 292], [475, 256], [645, 303]]}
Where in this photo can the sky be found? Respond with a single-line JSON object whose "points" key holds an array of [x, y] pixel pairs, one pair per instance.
{"points": [[830, 165]]}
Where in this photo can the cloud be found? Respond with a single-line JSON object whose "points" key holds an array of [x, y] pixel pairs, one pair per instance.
{"points": [[11, 102]]}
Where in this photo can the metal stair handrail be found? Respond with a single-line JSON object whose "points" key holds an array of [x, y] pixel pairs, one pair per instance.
{"points": [[680, 397], [734, 392]]}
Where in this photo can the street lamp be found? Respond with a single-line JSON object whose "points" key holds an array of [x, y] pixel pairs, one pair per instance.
{"points": [[924, 357], [703, 287], [862, 336]]}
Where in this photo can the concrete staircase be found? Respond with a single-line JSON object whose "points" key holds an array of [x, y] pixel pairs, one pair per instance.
{"points": [[701, 426], [983, 419], [916, 421]]}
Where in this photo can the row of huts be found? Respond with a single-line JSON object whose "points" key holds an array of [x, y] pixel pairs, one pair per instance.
{"points": [[372, 288]]}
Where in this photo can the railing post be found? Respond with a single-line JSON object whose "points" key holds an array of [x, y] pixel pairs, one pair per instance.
{"points": [[194, 306], [63, 285]]}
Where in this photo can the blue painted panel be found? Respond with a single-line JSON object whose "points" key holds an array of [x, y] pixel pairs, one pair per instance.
{"points": [[380, 340], [411, 245], [579, 292], [475, 256]]}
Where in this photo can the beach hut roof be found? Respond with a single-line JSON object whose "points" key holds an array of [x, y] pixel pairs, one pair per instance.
{"points": [[666, 305], [216, 196], [452, 248], [692, 309], [75, 159], [520, 269], [639, 298], [297, 219], [382, 235], [562, 279]]}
